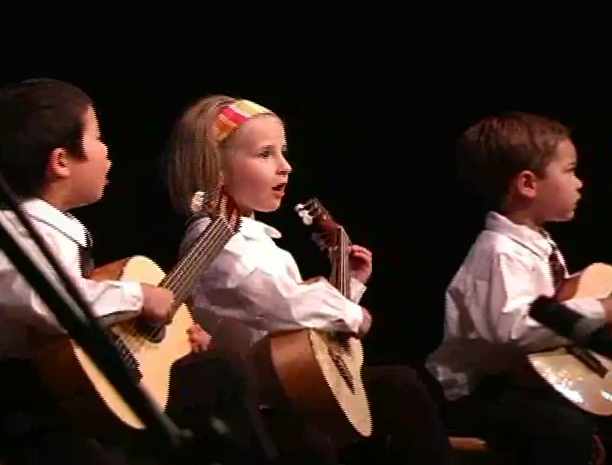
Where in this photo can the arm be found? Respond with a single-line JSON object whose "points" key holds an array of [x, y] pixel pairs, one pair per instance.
{"points": [[260, 284], [108, 299]]}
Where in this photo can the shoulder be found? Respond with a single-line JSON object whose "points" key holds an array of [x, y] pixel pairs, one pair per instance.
{"points": [[493, 253], [50, 234]]}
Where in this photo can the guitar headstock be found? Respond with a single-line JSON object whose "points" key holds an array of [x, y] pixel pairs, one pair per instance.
{"points": [[313, 213], [217, 204]]}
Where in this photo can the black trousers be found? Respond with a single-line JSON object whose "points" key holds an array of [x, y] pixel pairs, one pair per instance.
{"points": [[206, 396], [33, 430], [407, 426], [534, 424]]}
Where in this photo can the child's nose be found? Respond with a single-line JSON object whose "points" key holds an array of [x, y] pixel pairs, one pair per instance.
{"points": [[285, 167]]}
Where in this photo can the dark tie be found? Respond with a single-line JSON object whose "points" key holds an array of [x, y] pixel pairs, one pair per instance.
{"points": [[557, 268], [555, 262], [86, 261], [85, 256]]}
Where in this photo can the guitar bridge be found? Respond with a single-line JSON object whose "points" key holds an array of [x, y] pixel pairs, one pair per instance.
{"points": [[154, 333]]}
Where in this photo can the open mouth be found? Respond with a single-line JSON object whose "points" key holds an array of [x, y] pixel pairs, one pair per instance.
{"points": [[280, 187]]}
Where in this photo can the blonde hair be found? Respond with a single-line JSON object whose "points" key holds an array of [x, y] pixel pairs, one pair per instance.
{"points": [[194, 154], [194, 158]]}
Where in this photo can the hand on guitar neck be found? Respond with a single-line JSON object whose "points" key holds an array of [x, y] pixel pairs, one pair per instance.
{"points": [[344, 256], [360, 262]]}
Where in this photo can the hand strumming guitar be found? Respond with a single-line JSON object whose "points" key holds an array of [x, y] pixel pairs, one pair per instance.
{"points": [[157, 303], [366, 324], [199, 339]]}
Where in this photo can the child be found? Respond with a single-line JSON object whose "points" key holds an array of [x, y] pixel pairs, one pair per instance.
{"points": [[240, 146], [53, 157], [524, 166], [52, 154]]}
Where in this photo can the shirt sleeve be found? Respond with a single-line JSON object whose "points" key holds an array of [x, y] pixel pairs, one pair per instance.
{"points": [[357, 290]]}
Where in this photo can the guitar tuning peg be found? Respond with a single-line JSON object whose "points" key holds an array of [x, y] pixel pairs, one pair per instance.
{"points": [[303, 213], [307, 219]]}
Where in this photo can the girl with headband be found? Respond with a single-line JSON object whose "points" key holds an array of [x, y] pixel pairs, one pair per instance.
{"points": [[237, 148]]}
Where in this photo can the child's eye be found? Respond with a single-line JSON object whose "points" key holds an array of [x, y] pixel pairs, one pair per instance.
{"points": [[266, 153]]}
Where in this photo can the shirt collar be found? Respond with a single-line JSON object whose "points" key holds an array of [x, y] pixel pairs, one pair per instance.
{"points": [[539, 243], [254, 229], [64, 223]]}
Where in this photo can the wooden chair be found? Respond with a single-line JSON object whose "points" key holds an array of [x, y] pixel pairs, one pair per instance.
{"points": [[468, 450]]}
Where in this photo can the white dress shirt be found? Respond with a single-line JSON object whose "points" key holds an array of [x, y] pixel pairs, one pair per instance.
{"points": [[22, 312], [487, 326], [258, 284]]}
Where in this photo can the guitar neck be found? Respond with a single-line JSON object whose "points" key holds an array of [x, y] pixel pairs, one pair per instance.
{"points": [[207, 246], [341, 272]]}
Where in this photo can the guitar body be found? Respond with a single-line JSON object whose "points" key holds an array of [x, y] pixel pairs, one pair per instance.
{"points": [[567, 374], [594, 281], [321, 376], [84, 392]]}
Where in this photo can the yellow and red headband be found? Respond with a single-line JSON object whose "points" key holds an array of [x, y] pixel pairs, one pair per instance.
{"points": [[233, 116]]}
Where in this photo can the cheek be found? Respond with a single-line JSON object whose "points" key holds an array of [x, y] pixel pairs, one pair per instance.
{"points": [[101, 167]]}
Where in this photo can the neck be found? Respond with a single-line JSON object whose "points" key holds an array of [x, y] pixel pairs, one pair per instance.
{"points": [[524, 217], [56, 198]]}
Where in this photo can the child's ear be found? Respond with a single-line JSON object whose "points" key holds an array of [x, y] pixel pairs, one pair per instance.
{"points": [[525, 184], [58, 166]]}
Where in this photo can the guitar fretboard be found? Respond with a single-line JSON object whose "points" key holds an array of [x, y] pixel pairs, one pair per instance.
{"points": [[340, 275], [199, 256]]}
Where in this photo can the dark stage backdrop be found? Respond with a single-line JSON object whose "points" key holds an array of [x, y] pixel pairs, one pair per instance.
{"points": [[377, 152]]}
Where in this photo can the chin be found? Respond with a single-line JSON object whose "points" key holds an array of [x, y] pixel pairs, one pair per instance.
{"points": [[270, 207], [567, 217]]}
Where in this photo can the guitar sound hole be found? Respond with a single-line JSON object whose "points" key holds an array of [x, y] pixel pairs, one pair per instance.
{"points": [[342, 369]]}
